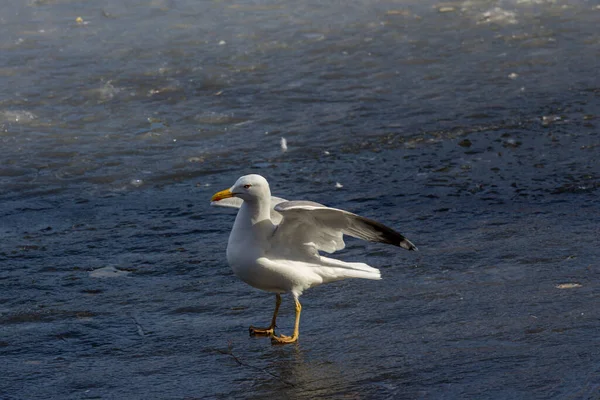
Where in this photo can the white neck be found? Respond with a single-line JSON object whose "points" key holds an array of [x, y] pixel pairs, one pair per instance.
{"points": [[253, 222], [256, 211]]}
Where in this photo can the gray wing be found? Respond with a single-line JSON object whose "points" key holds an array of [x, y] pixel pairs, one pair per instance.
{"points": [[323, 227], [236, 202]]}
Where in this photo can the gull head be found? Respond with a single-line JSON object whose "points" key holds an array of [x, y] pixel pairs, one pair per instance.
{"points": [[248, 188]]}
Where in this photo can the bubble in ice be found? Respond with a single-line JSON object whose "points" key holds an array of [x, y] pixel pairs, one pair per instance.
{"points": [[446, 9], [499, 16], [549, 119], [568, 286], [107, 272]]}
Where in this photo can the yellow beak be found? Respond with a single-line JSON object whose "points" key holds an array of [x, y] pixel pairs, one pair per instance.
{"points": [[223, 194]]}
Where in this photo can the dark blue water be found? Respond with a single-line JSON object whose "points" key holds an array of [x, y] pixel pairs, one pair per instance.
{"points": [[471, 127]]}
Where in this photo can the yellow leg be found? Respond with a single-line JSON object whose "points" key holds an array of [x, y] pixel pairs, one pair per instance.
{"points": [[282, 339], [271, 329]]}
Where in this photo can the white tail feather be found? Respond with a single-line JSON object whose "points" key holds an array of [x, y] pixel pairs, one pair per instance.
{"points": [[334, 270]]}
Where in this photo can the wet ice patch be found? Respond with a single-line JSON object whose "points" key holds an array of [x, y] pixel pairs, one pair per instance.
{"points": [[215, 118], [104, 93], [18, 116], [108, 272]]}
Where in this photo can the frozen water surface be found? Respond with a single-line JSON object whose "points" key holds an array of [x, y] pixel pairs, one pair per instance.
{"points": [[471, 127]]}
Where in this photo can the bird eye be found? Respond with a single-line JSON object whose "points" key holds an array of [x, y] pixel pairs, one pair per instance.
{"points": [[247, 186]]}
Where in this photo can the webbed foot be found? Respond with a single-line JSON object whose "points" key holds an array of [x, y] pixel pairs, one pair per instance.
{"points": [[283, 339], [261, 331]]}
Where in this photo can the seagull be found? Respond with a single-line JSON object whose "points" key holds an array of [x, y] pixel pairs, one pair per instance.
{"points": [[275, 244]]}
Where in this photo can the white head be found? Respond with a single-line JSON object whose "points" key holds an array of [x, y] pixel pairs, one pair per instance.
{"points": [[248, 188]]}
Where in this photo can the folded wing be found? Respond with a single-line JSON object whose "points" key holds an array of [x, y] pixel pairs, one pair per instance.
{"points": [[322, 228]]}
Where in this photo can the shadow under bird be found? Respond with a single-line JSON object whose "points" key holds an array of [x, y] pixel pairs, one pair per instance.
{"points": [[274, 244]]}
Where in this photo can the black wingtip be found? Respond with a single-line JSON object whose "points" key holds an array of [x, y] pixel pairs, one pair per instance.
{"points": [[406, 244], [377, 232]]}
